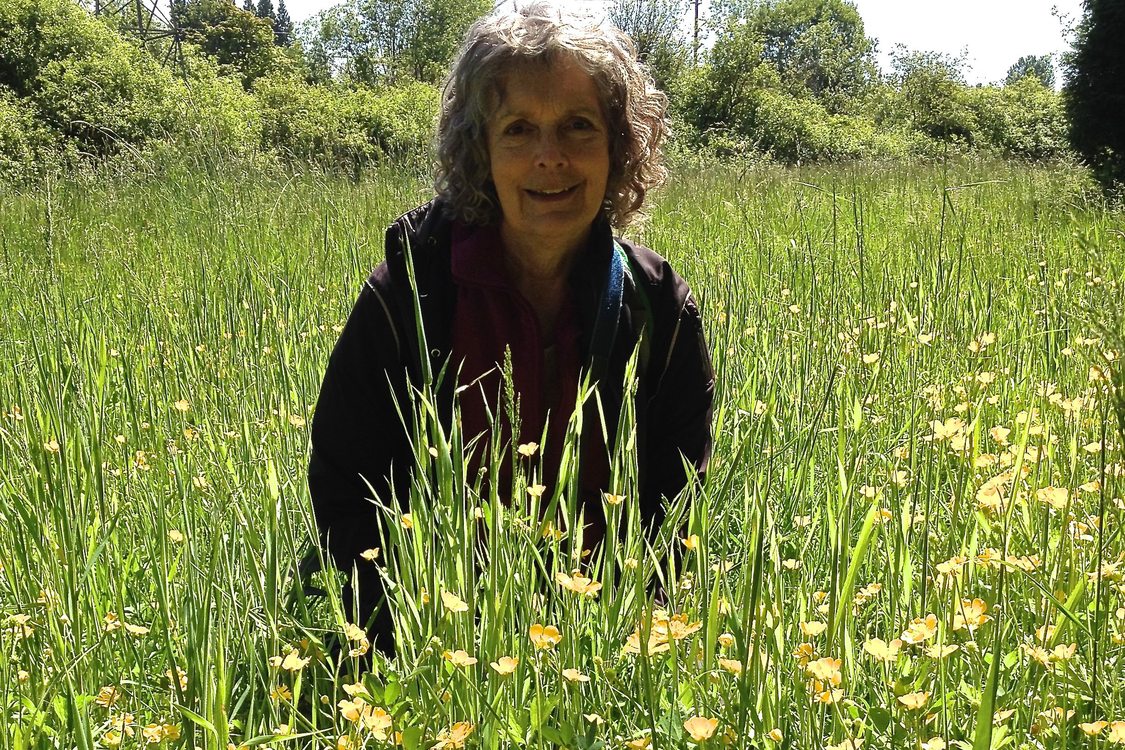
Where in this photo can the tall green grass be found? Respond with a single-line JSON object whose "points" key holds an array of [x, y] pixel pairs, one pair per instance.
{"points": [[161, 347]]}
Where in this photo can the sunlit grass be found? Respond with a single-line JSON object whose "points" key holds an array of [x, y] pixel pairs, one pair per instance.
{"points": [[910, 535]]}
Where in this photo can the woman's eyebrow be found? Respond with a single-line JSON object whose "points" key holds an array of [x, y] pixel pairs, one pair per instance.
{"points": [[505, 112]]}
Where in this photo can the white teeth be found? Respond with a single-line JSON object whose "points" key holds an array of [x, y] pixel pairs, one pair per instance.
{"points": [[551, 192]]}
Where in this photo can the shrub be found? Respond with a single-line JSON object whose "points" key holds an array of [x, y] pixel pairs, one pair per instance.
{"points": [[1023, 119], [344, 126], [83, 80], [24, 140], [399, 120]]}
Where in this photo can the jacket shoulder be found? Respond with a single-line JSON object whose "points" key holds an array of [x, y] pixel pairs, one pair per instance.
{"points": [[666, 290]]}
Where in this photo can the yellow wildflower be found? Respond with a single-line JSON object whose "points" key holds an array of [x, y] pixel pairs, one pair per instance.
{"points": [[544, 636], [578, 583], [453, 603], [914, 701], [454, 737], [505, 665], [459, 658], [701, 728]]}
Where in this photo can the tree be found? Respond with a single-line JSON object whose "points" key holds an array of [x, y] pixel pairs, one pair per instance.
{"points": [[239, 42], [283, 26], [265, 9], [654, 26], [818, 47], [1094, 94], [384, 41], [247, 5], [1039, 66], [928, 91]]}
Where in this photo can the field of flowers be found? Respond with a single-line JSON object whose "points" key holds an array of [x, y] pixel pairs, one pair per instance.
{"points": [[911, 536]]}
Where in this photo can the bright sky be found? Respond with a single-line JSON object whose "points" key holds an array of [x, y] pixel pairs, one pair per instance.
{"points": [[995, 33]]}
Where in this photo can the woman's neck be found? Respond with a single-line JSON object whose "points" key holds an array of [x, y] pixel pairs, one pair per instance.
{"points": [[540, 275]]}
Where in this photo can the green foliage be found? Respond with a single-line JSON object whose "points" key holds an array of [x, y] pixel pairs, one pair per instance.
{"points": [[333, 125], [283, 25], [241, 43], [1038, 66], [818, 47], [387, 41], [164, 340], [23, 138], [655, 28], [928, 97], [81, 79], [1023, 119], [1094, 95]]}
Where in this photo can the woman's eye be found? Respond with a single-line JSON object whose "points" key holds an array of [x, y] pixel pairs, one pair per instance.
{"points": [[582, 123], [516, 128]]}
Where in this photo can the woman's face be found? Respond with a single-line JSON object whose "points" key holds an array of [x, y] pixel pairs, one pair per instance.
{"points": [[548, 147]]}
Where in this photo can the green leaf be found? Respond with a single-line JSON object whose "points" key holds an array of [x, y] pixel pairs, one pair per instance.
{"points": [[541, 710], [982, 737], [412, 738], [197, 719]]}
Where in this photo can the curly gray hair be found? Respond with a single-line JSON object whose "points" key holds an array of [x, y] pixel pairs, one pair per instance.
{"points": [[539, 33]]}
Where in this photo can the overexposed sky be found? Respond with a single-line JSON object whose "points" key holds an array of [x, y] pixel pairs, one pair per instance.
{"points": [[994, 33]]}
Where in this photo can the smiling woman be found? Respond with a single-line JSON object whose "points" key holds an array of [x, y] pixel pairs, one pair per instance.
{"points": [[548, 141]]}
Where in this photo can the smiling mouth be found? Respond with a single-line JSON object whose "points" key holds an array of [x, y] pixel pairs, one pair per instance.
{"points": [[552, 194]]}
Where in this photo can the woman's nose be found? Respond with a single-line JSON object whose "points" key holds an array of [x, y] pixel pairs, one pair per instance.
{"points": [[549, 152]]}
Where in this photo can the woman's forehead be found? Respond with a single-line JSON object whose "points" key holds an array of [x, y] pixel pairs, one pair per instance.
{"points": [[532, 84]]}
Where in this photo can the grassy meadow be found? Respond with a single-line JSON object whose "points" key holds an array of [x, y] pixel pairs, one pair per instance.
{"points": [[911, 535]]}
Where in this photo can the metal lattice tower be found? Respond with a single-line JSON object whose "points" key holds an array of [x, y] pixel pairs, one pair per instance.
{"points": [[146, 21]]}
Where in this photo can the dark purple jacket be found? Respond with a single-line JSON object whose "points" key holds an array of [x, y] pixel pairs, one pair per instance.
{"points": [[357, 431]]}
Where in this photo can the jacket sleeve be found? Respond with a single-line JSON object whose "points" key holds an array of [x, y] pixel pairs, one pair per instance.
{"points": [[679, 413], [358, 439]]}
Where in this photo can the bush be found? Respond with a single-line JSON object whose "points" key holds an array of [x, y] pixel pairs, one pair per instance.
{"points": [[24, 140], [399, 120], [83, 80], [214, 113], [1024, 119], [344, 126]]}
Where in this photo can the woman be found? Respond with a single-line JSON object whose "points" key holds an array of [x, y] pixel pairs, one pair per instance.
{"points": [[549, 138]]}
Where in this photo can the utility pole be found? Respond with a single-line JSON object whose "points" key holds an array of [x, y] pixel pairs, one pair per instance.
{"points": [[695, 36]]}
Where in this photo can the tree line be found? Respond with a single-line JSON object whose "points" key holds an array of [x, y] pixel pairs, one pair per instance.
{"points": [[789, 80]]}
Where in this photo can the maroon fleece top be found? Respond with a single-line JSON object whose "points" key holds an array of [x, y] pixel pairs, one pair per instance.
{"points": [[490, 316]]}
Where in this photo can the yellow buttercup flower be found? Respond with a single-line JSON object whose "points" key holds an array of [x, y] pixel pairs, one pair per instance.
{"points": [[701, 728], [573, 675], [578, 583], [734, 666], [527, 450], [812, 629], [1117, 732], [939, 651], [971, 614], [920, 629], [107, 696], [882, 650], [544, 636], [505, 665], [454, 737], [1093, 728], [459, 658], [914, 701], [453, 602]]}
